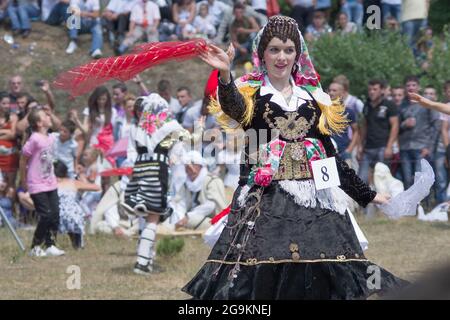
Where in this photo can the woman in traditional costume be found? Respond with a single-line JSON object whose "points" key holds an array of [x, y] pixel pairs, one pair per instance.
{"points": [[284, 238]]}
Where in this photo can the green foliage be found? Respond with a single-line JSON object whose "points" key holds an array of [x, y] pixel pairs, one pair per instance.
{"points": [[169, 246], [439, 70], [439, 14], [363, 56]]}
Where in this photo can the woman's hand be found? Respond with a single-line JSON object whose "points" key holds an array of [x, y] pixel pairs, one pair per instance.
{"points": [[381, 198], [417, 98], [231, 52], [217, 58]]}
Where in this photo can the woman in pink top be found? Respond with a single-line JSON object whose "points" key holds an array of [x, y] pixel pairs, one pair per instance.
{"points": [[37, 176]]}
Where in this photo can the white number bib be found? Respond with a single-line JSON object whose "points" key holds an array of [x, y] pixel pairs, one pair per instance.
{"points": [[325, 173]]}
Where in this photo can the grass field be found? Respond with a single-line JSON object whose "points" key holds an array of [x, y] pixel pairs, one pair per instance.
{"points": [[406, 247]]}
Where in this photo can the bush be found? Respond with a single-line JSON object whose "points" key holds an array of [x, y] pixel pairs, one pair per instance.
{"points": [[363, 56], [439, 70], [439, 14], [170, 246]]}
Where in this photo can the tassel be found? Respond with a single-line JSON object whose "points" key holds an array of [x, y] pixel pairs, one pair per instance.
{"points": [[333, 119], [225, 121]]}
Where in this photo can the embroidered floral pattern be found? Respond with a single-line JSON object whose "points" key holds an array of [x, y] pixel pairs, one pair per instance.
{"points": [[269, 160], [150, 122]]}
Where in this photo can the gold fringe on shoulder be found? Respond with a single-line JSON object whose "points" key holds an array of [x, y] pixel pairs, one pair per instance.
{"points": [[333, 119], [225, 121]]}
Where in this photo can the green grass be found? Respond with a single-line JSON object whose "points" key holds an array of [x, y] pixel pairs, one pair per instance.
{"points": [[406, 247]]}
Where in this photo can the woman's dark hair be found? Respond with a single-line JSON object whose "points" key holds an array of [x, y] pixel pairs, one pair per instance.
{"points": [[137, 109], [283, 28], [34, 118], [3, 95], [61, 170], [94, 110]]}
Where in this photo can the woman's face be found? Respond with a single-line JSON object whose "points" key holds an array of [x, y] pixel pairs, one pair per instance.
{"points": [[101, 101], [279, 58], [129, 107], [203, 12], [343, 20], [5, 104]]}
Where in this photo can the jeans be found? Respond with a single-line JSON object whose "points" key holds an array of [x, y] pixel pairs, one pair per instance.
{"points": [[410, 160], [441, 177], [411, 29], [354, 11], [47, 209], [117, 27], [89, 25], [391, 10], [58, 14], [20, 15], [369, 160]]}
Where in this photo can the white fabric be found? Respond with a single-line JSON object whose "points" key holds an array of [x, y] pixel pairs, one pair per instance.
{"points": [[299, 95], [112, 216], [414, 9], [174, 105], [405, 203], [152, 10], [363, 242], [232, 161], [88, 5], [213, 233], [150, 103], [322, 97], [204, 25], [216, 10], [120, 6], [146, 241], [384, 182], [439, 213], [259, 4], [305, 194], [194, 157], [359, 105], [199, 213], [131, 147], [197, 184]]}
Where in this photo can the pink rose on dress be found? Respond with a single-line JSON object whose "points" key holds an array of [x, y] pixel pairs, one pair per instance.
{"points": [[263, 176], [162, 116], [277, 148]]}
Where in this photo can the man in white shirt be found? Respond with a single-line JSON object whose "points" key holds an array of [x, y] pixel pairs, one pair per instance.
{"points": [[116, 18], [414, 17], [201, 197], [89, 13], [144, 18]]}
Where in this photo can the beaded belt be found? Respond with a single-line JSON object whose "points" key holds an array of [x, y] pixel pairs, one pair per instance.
{"points": [[294, 163]]}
